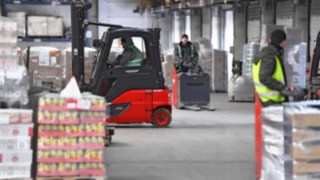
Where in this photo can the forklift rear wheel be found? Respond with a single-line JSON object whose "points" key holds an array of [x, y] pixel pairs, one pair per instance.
{"points": [[161, 117]]}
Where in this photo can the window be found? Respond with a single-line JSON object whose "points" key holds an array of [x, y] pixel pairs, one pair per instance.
{"points": [[128, 52]]}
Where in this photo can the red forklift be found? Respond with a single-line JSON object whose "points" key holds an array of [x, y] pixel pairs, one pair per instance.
{"points": [[133, 94]]}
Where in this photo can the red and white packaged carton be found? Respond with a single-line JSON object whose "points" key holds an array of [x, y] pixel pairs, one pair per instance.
{"points": [[15, 171], [8, 116], [15, 116], [25, 116], [16, 157], [14, 130], [14, 143]]}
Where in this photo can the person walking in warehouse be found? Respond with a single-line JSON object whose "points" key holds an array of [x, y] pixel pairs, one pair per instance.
{"points": [[269, 74], [186, 56], [131, 55]]}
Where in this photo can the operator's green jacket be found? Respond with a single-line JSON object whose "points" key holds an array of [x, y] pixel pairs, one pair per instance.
{"points": [[130, 57], [269, 75], [138, 57]]}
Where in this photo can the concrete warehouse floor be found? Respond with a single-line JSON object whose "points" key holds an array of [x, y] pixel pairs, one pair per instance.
{"points": [[201, 145]]}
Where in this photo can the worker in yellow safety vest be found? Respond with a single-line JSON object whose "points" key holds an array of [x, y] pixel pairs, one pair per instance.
{"points": [[269, 74]]}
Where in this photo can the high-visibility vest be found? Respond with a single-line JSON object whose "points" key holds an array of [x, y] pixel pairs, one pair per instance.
{"points": [[266, 94], [137, 61], [181, 53]]}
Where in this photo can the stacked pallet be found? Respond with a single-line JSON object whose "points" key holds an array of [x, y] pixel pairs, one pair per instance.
{"points": [[14, 83], [305, 149], [291, 142], [70, 140], [15, 143]]}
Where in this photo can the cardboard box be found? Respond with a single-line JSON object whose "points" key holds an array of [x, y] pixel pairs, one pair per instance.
{"points": [[55, 26], [15, 116], [45, 26], [16, 171], [14, 143], [20, 18], [89, 63], [48, 82], [37, 26], [16, 157], [16, 130], [45, 60]]}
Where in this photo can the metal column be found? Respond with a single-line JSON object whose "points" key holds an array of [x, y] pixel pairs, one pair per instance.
{"points": [[240, 30]]}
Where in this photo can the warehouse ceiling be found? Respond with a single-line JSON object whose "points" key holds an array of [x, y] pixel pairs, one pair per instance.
{"points": [[161, 6]]}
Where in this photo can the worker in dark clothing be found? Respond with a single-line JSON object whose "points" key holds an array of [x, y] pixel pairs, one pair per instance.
{"points": [[131, 55], [269, 74], [186, 56]]}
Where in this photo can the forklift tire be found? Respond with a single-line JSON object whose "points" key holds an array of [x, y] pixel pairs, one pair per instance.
{"points": [[161, 117]]}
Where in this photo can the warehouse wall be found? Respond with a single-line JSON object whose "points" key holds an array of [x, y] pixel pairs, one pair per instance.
{"points": [[121, 12]]}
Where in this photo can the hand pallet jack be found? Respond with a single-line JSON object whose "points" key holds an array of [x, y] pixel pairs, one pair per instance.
{"points": [[191, 92]]}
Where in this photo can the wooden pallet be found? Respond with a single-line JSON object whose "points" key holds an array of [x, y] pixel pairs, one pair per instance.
{"points": [[73, 178]]}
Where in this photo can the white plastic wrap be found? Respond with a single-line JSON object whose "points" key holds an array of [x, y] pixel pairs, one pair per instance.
{"points": [[167, 66], [45, 26], [241, 88], [291, 141], [14, 83], [8, 42], [20, 18], [273, 161], [249, 52]]}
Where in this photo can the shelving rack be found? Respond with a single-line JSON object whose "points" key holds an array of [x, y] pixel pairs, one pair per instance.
{"points": [[5, 3]]}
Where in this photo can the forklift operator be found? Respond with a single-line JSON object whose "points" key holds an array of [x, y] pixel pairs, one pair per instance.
{"points": [[186, 56], [131, 56]]}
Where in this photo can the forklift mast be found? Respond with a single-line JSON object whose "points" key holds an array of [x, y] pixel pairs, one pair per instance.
{"points": [[78, 29], [78, 25]]}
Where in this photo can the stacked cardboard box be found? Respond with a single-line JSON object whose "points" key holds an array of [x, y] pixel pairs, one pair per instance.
{"points": [[20, 18], [45, 26], [167, 66], [47, 65], [250, 51], [13, 78], [90, 58], [304, 148], [291, 142], [71, 136], [15, 143], [214, 62]]}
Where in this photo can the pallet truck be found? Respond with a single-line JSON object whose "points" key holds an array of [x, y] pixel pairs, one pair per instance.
{"points": [[133, 94], [191, 91]]}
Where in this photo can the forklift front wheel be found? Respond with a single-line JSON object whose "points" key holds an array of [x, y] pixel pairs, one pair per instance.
{"points": [[161, 117]]}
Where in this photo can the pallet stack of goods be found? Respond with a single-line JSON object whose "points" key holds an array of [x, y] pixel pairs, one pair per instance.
{"points": [[45, 26], [46, 64], [215, 63], [21, 19], [14, 83], [167, 66], [15, 138], [70, 139], [303, 137], [291, 142]]}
